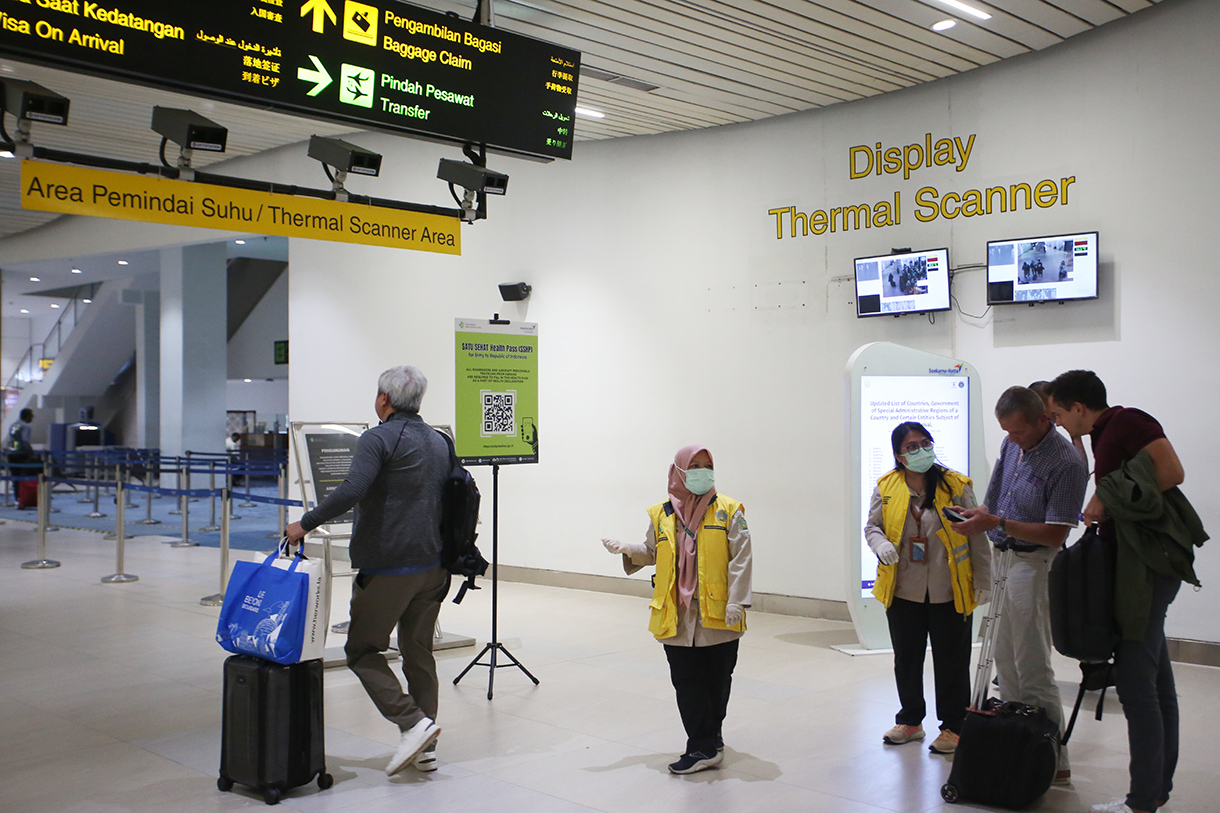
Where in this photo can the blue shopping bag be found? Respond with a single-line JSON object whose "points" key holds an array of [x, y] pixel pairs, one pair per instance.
{"points": [[264, 610]]}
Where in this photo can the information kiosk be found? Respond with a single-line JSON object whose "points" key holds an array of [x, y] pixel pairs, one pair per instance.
{"points": [[885, 385]]}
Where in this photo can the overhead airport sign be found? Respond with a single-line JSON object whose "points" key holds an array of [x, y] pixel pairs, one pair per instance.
{"points": [[383, 63], [76, 190]]}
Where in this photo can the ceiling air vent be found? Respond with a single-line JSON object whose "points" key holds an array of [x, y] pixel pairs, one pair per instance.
{"points": [[615, 79]]}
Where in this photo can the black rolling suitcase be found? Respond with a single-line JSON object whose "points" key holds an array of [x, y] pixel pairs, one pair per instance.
{"points": [[1008, 751], [272, 737]]}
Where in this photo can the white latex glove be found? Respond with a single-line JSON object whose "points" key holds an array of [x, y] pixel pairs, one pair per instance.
{"points": [[733, 614], [982, 596], [888, 553], [614, 546]]}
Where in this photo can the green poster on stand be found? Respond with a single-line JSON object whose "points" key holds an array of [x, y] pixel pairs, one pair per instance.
{"points": [[497, 391]]}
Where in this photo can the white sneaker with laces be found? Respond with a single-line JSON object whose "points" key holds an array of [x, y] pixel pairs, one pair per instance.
{"points": [[426, 761], [414, 740]]}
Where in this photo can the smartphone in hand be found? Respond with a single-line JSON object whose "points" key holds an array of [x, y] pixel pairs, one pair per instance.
{"points": [[952, 514]]}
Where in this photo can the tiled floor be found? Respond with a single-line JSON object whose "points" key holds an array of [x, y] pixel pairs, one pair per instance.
{"points": [[110, 701]]}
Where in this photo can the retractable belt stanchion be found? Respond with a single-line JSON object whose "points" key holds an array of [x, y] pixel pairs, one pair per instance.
{"points": [[8, 497], [186, 541], [97, 490], [120, 506], [42, 562], [246, 463], [282, 493], [45, 497], [89, 469], [229, 486], [148, 519], [217, 599], [212, 526], [181, 499], [120, 535]]}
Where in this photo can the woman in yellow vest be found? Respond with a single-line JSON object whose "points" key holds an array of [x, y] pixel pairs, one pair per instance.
{"points": [[926, 579], [700, 543]]}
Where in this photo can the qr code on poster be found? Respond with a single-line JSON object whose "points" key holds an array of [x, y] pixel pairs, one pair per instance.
{"points": [[499, 413]]}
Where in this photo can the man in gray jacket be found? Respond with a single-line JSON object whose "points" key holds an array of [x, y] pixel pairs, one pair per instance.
{"points": [[395, 484]]}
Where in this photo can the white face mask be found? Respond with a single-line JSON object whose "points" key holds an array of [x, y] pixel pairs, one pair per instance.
{"points": [[699, 481]]}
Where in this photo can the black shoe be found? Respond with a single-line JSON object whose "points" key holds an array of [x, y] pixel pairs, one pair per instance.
{"points": [[695, 762]]}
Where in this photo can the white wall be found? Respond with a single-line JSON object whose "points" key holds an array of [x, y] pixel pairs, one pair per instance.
{"points": [[252, 348], [267, 398], [655, 269]]}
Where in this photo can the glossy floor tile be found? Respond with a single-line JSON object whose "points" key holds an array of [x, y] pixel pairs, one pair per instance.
{"points": [[110, 701]]}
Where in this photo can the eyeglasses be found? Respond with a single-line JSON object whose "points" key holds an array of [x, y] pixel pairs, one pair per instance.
{"points": [[915, 447]]}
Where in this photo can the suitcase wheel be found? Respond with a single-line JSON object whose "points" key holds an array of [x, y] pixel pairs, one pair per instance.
{"points": [[325, 780], [272, 796], [949, 793], [225, 784]]}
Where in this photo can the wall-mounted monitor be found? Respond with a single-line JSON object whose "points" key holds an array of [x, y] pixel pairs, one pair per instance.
{"points": [[895, 284], [1042, 269]]}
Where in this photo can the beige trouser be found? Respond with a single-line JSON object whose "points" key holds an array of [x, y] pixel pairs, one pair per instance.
{"points": [[1023, 639], [410, 603]]}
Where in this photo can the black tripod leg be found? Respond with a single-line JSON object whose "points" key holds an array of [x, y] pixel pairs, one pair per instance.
{"points": [[475, 662], [491, 673], [519, 666]]}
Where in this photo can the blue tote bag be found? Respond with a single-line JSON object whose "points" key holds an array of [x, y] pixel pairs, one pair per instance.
{"points": [[264, 610]]}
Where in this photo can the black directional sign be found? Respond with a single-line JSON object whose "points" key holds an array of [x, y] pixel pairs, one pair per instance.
{"points": [[380, 63]]}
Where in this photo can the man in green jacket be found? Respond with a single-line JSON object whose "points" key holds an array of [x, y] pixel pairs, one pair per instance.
{"points": [[1137, 473]]}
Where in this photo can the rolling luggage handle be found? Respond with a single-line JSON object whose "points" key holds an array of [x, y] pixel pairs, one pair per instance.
{"points": [[982, 675]]}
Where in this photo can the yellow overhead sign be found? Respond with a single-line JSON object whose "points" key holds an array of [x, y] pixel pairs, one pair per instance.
{"points": [[73, 190]]}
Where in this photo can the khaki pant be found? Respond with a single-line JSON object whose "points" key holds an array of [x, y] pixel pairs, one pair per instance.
{"points": [[410, 603]]}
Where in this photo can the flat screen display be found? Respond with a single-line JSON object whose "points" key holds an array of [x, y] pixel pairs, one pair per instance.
{"points": [[940, 402], [1042, 269], [894, 284]]}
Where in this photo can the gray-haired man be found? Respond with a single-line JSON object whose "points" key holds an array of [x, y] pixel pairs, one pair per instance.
{"points": [[1036, 491], [395, 483]]}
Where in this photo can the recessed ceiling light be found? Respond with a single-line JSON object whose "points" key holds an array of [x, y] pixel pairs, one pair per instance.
{"points": [[240, 242], [971, 10], [6, 154], [76, 270], [54, 305], [123, 262], [944, 25], [87, 301], [35, 279], [247, 380], [25, 310], [589, 114]]}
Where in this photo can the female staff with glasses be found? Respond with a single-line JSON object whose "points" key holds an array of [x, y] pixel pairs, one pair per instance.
{"points": [[926, 579]]}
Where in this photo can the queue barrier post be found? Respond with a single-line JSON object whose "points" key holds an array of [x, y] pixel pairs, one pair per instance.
{"points": [[89, 470], [48, 488], [148, 518], [217, 599], [97, 489], [120, 528], [42, 562], [186, 541], [247, 503], [212, 526], [120, 504], [281, 492]]}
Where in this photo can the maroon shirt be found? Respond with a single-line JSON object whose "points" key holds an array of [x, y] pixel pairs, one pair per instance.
{"points": [[1118, 435]]}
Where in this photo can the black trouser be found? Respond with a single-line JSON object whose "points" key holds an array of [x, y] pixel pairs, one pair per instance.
{"points": [[911, 625], [1143, 677], [702, 677]]}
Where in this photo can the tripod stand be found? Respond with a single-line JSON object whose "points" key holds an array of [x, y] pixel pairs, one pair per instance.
{"points": [[494, 646]]}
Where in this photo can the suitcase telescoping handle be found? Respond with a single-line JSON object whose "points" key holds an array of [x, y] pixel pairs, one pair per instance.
{"points": [[999, 588]]}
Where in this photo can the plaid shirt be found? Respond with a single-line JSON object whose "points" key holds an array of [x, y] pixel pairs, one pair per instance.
{"points": [[1045, 484]]}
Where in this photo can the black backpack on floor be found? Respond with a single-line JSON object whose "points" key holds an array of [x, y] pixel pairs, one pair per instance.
{"points": [[1081, 582], [459, 520]]}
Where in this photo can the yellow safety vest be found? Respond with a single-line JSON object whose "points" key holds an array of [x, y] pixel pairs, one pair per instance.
{"points": [[712, 545], [895, 499]]}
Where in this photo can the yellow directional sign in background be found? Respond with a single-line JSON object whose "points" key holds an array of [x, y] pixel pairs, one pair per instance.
{"points": [[74, 190], [321, 11]]}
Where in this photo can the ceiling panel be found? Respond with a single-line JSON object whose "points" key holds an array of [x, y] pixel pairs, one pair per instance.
{"points": [[713, 62]]}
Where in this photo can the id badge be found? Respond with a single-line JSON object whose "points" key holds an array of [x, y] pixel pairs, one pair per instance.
{"points": [[919, 548]]}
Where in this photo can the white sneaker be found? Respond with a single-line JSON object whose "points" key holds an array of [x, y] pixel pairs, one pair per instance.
{"points": [[414, 740], [1117, 806], [426, 761]]}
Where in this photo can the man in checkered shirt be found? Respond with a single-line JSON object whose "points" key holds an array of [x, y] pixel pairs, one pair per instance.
{"points": [[1036, 491]]}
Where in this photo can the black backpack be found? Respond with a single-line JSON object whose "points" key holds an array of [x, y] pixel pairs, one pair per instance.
{"points": [[459, 519], [1081, 581]]}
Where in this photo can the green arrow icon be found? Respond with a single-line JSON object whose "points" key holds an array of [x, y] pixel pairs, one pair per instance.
{"points": [[320, 76]]}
